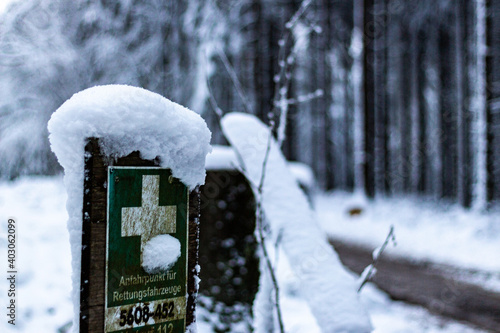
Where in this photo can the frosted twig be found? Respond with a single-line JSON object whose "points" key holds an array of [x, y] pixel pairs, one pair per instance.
{"points": [[260, 227], [269, 265], [258, 188], [232, 74], [283, 78], [266, 159], [218, 111], [293, 21], [367, 275], [303, 98]]}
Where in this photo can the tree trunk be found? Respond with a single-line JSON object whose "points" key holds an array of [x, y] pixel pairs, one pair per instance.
{"points": [[479, 142], [357, 78], [369, 36], [462, 116]]}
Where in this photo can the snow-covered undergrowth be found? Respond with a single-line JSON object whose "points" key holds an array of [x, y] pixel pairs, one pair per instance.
{"points": [[44, 265], [425, 230]]}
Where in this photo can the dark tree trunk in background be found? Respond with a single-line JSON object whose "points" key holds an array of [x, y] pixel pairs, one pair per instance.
{"points": [[415, 147], [493, 97], [380, 96], [395, 105], [369, 36], [326, 9], [406, 128], [265, 49], [448, 110], [463, 156], [421, 115]]}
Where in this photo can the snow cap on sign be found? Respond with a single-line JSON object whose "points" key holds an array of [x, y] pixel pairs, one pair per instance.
{"points": [[127, 119]]}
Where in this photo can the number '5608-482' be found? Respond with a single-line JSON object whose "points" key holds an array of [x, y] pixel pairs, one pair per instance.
{"points": [[142, 314]]}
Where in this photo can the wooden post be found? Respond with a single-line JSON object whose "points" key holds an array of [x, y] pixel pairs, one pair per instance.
{"points": [[117, 294], [229, 263]]}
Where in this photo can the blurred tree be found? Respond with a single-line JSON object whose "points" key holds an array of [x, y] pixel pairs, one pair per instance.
{"points": [[410, 93], [39, 70]]}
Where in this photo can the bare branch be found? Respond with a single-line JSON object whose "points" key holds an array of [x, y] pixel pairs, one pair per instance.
{"points": [[218, 111], [232, 74], [376, 256], [303, 98], [285, 63]]}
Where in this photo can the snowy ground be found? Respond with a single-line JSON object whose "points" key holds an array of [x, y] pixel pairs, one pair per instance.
{"points": [[453, 236], [428, 231]]}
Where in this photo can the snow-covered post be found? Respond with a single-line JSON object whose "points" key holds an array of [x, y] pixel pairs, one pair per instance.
{"points": [[230, 266], [132, 162]]}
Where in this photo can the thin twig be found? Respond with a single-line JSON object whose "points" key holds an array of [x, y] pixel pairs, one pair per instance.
{"points": [[260, 227], [213, 102], [266, 159], [261, 234], [303, 98], [269, 267], [259, 190], [376, 257], [283, 81], [232, 74]]}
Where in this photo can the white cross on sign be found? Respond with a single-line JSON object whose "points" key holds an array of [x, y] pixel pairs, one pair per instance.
{"points": [[150, 219]]}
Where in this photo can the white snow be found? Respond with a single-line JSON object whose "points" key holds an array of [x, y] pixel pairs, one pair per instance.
{"points": [[264, 303], [4, 4], [331, 291], [431, 231], [45, 271], [126, 119], [221, 158], [43, 254], [160, 253], [224, 158]]}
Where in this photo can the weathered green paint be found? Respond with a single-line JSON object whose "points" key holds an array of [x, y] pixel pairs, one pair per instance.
{"points": [[142, 203]]}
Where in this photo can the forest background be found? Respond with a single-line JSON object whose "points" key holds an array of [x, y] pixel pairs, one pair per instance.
{"points": [[380, 96]]}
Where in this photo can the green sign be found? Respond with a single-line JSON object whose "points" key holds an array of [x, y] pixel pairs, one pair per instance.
{"points": [[144, 203]]}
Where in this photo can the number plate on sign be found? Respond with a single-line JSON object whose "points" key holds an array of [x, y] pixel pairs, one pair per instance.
{"points": [[144, 203]]}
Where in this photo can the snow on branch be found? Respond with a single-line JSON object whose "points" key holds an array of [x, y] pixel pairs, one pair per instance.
{"points": [[370, 270], [288, 48], [331, 291]]}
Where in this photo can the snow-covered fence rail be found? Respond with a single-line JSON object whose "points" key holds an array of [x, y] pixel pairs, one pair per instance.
{"points": [[131, 159], [331, 291], [228, 246]]}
